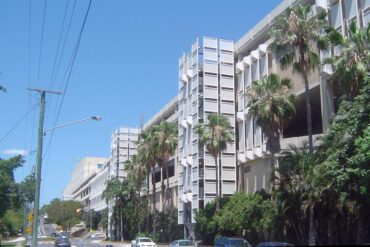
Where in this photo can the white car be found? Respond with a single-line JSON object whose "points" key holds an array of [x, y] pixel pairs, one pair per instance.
{"points": [[143, 242]]}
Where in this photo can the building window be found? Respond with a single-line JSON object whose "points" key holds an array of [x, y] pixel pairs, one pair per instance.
{"points": [[247, 77], [256, 133], [255, 71], [365, 4], [335, 15], [366, 17], [350, 8], [263, 66]]}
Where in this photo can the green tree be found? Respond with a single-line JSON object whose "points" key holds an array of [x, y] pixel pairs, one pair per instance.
{"points": [[215, 136], [270, 101], [64, 213], [27, 188], [147, 156], [136, 171], [297, 38], [351, 63], [165, 144], [9, 194]]}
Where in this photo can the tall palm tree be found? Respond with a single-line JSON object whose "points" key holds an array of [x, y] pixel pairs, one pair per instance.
{"points": [[270, 101], [297, 36], [147, 158], [215, 136], [351, 64], [115, 191], [136, 172], [165, 139]]}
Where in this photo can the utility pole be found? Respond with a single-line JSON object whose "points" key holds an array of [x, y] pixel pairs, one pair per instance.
{"points": [[38, 162]]}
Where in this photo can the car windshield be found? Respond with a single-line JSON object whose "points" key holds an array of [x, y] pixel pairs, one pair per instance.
{"points": [[63, 240], [186, 243], [237, 243], [145, 240]]}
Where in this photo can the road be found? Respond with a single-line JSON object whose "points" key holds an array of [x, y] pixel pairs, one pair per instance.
{"points": [[84, 243]]}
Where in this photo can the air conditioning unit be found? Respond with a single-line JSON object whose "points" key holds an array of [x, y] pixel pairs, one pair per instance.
{"points": [[262, 48], [189, 74], [183, 198], [240, 116], [189, 160], [189, 120], [321, 4], [255, 55], [239, 67], [184, 78], [241, 158], [247, 61], [183, 162], [184, 124], [327, 71], [189, 196]]}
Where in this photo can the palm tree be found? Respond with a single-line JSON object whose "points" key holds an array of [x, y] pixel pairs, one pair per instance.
{"points": [[270, 101], [215, 136], [297, 36], [115, 191], [165, 144], [351, 64], [136, 173], [147, 158]]}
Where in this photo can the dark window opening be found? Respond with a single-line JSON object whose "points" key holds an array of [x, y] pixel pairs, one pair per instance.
{"points": [[171, 169], [157, 176], [297, 125], [201, 204]]}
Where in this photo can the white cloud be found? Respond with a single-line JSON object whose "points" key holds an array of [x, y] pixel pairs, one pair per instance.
{"points": [[22, 152]]}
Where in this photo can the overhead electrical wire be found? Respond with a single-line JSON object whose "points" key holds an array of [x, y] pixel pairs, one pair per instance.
{"points": [[17, 123], [69, 74], [42, 42]]}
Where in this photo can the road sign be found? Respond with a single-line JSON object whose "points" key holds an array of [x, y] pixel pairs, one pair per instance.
{"points": [[30, 217]]}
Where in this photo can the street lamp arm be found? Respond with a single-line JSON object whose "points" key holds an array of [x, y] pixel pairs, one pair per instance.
{"points": [[96, 118]]}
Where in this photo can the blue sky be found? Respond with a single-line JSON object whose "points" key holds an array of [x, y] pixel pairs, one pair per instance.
{"points": [[126, 66]]}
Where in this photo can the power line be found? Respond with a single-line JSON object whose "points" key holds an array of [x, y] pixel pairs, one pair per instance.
{"points": [[17, 123], [56, 58], [59, 40], [65, 41], [42, 41], [69, 74]]}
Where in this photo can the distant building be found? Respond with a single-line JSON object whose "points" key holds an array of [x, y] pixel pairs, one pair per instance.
{"points": [[85, 169], [123, 147]]}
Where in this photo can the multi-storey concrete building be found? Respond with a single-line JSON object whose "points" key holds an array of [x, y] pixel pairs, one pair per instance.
{"points": [[254, 60], [206, 86], [123, 147], [85, 169], [169, 114]]}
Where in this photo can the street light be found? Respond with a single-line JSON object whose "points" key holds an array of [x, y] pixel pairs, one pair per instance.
{"points": [[41, 133], [95, 118]]}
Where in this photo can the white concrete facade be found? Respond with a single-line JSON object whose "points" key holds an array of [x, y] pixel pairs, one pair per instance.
{"points": [[123, 147], [168, 113], [206, 86], [83, 171], [254, 60]]}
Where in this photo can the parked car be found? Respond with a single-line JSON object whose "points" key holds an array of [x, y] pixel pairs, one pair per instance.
{"points": [[182, 243], [231, 242], [273, 244], [54, 235], [143, 242], [62, 241]]}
